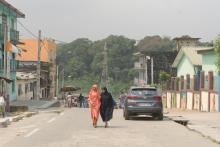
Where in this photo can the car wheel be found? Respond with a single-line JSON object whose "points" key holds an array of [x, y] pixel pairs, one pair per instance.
{"points": [[160, 116]]}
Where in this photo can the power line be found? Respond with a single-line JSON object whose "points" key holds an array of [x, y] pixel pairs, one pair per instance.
{"points": [[31, 33], [35, 36]]}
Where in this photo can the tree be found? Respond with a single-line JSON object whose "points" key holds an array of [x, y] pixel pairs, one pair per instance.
{"points": [[164, 77], [156, 43], [217, 50]]}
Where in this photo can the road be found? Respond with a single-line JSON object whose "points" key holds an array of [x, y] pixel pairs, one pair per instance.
{"points": [[73, 128]]}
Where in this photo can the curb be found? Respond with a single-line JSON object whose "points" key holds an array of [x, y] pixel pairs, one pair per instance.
{"points": [[7, 121], [52, 111], [208, 132], [4, 123]]}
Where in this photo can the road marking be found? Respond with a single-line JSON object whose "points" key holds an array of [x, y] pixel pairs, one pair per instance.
{"points": [[61, 113], [51, 120], [32, 132], [28, 127]]}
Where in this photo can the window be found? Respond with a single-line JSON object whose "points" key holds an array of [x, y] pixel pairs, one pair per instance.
{"points": [[20, 90], [26, 88]]}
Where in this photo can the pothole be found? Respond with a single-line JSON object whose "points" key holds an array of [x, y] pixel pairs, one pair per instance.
{"points": [[182, 122]]}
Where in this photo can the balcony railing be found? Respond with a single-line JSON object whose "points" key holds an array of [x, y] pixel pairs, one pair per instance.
{"points": [[139, 66]]}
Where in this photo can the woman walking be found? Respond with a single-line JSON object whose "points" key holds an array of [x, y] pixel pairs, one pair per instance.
{"points": [[94, 102], [107, 106]]}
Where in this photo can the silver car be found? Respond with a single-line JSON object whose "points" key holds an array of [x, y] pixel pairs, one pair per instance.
{"points": [[143, 101]]}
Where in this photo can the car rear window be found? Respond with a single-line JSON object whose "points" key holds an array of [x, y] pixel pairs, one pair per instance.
{"points": [[144, 92]]}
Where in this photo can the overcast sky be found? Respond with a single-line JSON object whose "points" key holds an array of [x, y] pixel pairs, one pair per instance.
{"points": [[96, 19]]}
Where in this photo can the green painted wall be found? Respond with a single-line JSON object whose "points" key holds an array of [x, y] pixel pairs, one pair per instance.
{"points": [[185, 67], [209, 62], [12, 26]]}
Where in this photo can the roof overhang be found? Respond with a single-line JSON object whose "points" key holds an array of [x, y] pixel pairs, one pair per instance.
{"points": [[177, 59], [205, 50], [18, 12]]}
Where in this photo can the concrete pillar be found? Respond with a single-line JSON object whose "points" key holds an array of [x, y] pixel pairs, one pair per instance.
{"points": [[187, 81], [194, 83], [202, 80], [210, 80], [182, 83]]}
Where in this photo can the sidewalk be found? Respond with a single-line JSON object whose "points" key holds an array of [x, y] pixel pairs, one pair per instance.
{"points": [[205, 123]]}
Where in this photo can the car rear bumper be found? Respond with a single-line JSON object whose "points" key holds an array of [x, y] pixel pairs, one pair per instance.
{"points": [[144, 111]]}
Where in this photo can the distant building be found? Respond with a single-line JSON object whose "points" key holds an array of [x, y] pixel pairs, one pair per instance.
{"points": [[209, 59], [26, 83], [185, 41], [188, 61], [162, 61], [27, 62], [8, 35]]}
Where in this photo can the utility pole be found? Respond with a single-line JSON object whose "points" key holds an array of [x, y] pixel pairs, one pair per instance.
{"points": [[146, 70], [57, 78], [105, 67], [152, 71], [146, 75], [63, 79], [39, 66]]}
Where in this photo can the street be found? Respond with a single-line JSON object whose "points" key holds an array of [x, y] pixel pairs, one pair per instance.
{"points": [[73, 128]]}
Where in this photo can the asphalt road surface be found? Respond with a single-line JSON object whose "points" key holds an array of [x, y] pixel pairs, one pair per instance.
{"points": [[73, 128]]}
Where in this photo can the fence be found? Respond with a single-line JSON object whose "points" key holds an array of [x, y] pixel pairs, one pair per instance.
{"points": [[193, 92]]}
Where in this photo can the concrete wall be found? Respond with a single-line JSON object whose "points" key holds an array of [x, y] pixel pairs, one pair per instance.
{"points": [[214, 102], [29, 94], [205, 101], [189, 104], [196, 101], [185, 67], [178, 100], [169, 99]]}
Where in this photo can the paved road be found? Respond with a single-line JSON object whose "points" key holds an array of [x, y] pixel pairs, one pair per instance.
{"points": [[72, 128]]}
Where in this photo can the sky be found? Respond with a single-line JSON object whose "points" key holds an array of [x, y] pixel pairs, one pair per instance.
{"points": [[67, 20]]}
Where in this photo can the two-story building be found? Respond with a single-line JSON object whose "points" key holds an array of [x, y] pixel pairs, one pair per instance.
{"points": [[28, 60], [9, 38]]}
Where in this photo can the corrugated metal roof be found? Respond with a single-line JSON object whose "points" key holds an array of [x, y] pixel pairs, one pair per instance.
{"points": [[191, 54]]}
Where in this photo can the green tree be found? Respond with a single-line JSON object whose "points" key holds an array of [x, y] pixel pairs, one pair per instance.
{"points": [[217, 50], [164, 77]]}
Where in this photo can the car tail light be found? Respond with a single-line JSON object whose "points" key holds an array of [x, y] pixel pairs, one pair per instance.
{"points": [[158, 98], [132, 97]]}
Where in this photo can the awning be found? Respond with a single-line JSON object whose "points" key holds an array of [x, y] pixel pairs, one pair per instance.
{"points": [[6, 79]]}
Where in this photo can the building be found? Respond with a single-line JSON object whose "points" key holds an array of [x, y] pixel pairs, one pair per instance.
{"points": [[162, 61], [185, 41], [26, 83], [9, 38], [188, 61], [196, 84], [209, 59], [27, 62]]}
